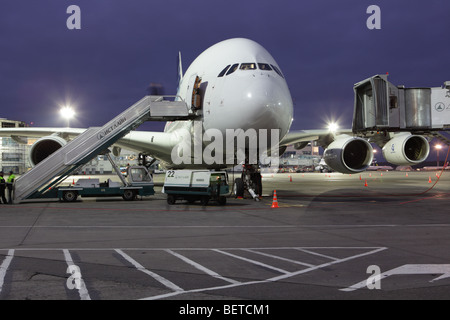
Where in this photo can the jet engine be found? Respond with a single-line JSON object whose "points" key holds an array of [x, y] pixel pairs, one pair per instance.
{"points": [[348, 154], [44, 147], [406, 149]]}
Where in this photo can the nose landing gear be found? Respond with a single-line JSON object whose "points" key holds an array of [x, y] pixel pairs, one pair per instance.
{"points": [[249, 181]]}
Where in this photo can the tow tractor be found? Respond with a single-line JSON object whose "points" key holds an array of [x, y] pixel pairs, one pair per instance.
{"points": [[139, 182], [194, 185]]}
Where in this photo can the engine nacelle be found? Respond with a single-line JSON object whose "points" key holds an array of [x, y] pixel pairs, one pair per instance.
{"points": [[348, 154], [406, 149], [44, 147]]}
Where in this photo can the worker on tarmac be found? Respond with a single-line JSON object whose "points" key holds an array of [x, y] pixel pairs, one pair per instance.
{"points": [[2, 188], [9, 185]]}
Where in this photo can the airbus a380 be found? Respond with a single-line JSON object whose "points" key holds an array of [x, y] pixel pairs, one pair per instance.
{"points": [[238, 85]]}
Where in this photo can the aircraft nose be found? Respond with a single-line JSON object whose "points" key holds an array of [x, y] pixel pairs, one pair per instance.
{"points": [[268, 103]]}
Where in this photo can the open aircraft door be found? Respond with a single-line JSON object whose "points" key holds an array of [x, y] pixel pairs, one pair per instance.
{"points": [[195, 93]]}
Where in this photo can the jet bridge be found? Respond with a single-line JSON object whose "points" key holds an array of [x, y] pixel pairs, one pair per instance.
{"points": [[60, 164], [381, 106]]}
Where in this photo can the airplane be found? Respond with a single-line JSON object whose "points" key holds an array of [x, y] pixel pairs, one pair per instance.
{"points": [[238, 85]]}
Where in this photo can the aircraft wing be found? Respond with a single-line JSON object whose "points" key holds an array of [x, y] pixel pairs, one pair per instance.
{"points": [[156, 144], [323, 137], [30, 132]]}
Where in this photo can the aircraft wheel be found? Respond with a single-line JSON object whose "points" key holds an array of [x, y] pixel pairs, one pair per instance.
{"points": [[257, 181], [70, 196], [239, 187]]}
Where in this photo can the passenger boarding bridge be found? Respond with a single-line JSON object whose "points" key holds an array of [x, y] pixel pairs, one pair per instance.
{"points": [[381, 106]]}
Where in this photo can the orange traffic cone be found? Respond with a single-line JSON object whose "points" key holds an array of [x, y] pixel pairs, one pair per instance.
{"points": [[290, 178], [275, 200], [429, 180], [360, 178], [407, 174], [365, 183]]}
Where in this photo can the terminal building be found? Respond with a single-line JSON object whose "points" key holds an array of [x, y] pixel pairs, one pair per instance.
{"points": [[304, 159], [13, 155]]}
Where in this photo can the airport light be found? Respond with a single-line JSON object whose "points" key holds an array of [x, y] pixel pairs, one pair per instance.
{"points": [[438, 147], [67, 113], [333, 127]]}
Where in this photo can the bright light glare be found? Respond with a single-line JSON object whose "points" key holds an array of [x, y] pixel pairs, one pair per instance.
{"points": [[67, 112], [438, 146], [333, 127]]}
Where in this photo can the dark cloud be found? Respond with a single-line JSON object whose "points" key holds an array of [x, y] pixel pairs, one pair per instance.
{"points": [[323, 48]]}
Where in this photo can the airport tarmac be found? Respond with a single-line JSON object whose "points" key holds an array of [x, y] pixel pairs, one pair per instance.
{"points": [[378, 235]]}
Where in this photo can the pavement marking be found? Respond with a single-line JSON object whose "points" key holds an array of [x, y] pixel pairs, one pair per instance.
{"points": [[252, 261], [4, 267], [407, 269], [201, 268], [279, 258], [176, 290], [155, 276], [83, 291], [317, 254], [277, 278]]}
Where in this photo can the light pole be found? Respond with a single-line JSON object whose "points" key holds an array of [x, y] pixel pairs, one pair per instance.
{"points": [[67, 113], [438, 148]]}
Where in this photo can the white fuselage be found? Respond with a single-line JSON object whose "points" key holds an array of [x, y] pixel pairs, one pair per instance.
{"points": [[251, 94], [243, 99]]}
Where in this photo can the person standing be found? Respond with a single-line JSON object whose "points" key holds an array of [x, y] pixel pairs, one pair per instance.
{"points": [[2, 188], [9, 185]]}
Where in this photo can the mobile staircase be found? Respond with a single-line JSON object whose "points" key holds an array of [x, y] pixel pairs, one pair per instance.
{"points": [[95, 140]]}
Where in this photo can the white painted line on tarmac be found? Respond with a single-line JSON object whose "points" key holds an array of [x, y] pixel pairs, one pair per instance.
{"points": [[155, 276], [317, 254], [252, 261], [201, 268], [279, 258], [274, 279], [4, 267], [82, 290]]}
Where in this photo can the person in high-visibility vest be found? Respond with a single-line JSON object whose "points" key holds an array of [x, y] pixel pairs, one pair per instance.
{"points": [[2, 188], [9, 185]]}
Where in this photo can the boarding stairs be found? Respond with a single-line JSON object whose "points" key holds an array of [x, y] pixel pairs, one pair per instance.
{"points": [[95, 140]]}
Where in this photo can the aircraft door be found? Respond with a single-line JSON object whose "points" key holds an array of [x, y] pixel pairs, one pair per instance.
{"points": [[195, 93]]}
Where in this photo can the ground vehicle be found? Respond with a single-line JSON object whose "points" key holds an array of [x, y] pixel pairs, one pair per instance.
{"points": [[140, 183], [193, 185]]}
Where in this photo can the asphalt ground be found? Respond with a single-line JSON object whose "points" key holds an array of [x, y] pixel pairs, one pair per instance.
{"points": [[378, 235]]}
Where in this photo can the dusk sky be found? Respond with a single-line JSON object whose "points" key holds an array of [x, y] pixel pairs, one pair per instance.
{"points": [[323, 48]]}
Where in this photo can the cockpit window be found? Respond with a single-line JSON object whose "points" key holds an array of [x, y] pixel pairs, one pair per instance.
{"points": [[222, 73], [277, 71], [233, 68], [264, 66], [248, 66]]}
